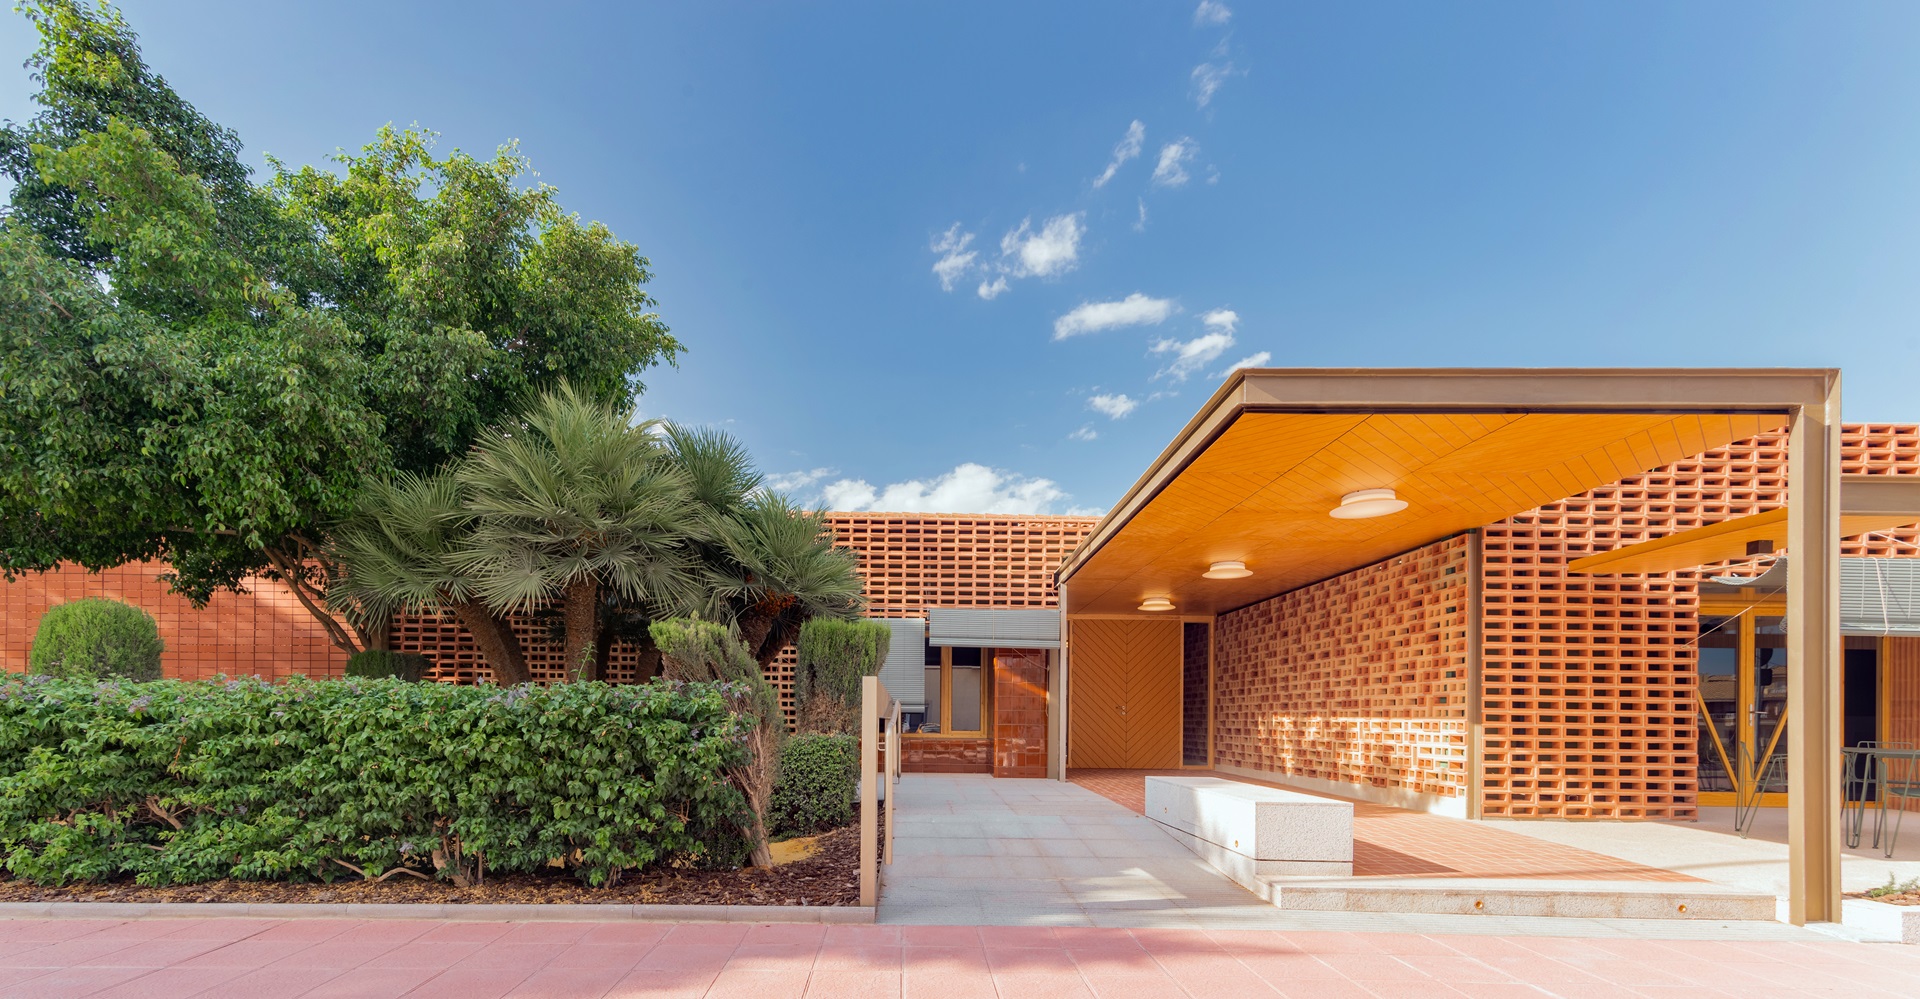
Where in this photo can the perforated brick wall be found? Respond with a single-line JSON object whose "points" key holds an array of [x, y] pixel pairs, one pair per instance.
{"points": [[914, 561], [1360, 679], [263, 631], [1589, 680]]}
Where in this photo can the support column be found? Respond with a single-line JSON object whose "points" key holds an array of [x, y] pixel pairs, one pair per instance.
{"points": [[1057, 700], [1814, 658]]}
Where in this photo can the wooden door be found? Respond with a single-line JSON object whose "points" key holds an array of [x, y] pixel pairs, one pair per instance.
{"points": [[1123, 698]]}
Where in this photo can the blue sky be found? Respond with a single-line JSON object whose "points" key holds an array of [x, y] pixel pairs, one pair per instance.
{"points": [[1319, 184]]}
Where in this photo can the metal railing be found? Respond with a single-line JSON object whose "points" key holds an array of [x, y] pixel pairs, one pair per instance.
{"points": [[879, 762]]}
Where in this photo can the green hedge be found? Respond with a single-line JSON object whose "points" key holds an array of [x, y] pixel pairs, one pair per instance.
{"points": [[181, 781], [95, 638], [818, 778]]}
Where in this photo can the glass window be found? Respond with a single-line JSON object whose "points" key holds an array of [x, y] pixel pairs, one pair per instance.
{"points": [[967, 690], [956, 691], [1770, 701]]}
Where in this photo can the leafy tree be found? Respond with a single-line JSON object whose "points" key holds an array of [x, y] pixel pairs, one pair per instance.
{"points": [[204, 370], [572, 501]]}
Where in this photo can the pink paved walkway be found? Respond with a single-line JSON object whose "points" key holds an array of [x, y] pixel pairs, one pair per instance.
{"points": [[261, 959]]}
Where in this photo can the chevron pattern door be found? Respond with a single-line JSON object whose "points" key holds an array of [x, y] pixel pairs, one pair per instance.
{"points": [[1123, 699]]}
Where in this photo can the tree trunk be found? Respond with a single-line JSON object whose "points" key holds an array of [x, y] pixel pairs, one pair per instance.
{"points": [[498, 645], [581, 606], [603, 648]]}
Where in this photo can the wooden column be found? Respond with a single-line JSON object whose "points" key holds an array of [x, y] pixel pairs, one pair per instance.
{"points": [[869, 791], [1057, 700], [1814, 661]]}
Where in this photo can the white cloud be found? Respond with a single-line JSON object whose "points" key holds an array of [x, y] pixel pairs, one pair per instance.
{"points": [[1258, 360], [991, 290], [1207, 79], [1189, 356], [1171, 171], [969, 488], [1085, 433], [790, 482], [1192, 355], [1211, 12], [1114, 406], [1054, 249], [1092, 317], [955, 259], [1141, 224], [1129, 148]]}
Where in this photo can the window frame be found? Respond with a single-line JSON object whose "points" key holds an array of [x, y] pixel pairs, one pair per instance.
{"points": [[946, 698]]}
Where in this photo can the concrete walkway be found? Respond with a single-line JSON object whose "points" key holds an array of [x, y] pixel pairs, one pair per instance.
{"points": [[976, 850], [336, 959], [1709, 849]]}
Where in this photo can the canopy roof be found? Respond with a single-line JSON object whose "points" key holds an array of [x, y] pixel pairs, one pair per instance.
{"points": [[1868, 503], [1254, 475], [1878, 596]]}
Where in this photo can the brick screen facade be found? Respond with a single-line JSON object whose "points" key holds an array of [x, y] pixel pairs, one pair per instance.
{"points": [[1360, 679], [1589, 680], [262, 631]]}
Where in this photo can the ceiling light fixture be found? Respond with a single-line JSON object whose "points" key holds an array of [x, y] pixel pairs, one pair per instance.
{"points": [[1231, 569], [1367, 503], [1156, 604]]}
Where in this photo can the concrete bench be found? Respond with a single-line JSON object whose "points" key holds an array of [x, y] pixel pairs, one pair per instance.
{"points": [[1251, 832]]}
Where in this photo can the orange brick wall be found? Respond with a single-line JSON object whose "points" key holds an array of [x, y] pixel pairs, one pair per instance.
{"points": [[263, 631], [1019, 713], [909, 562], [1589, 680], [1360, 679]]}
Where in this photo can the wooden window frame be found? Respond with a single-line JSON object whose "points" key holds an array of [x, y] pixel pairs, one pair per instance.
{"points": [[985, 731]]}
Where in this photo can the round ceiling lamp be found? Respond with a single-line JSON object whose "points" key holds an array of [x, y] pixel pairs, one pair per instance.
{"points": [[1368, 503], [1156, 604], [1230, 569]]}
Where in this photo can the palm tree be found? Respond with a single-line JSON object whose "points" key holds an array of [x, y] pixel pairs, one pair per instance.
{"points": [[770, 566], [401, 551], [782, 569], [573, 501]]}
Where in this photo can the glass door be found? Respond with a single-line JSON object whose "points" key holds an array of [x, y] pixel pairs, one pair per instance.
{"points": [[1742, 709]]}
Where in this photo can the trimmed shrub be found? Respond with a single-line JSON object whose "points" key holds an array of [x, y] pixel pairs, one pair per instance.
{"points": [[834, 656], [96, 639], [703, 651], [374, 664], [186, 781], [819, 778]]}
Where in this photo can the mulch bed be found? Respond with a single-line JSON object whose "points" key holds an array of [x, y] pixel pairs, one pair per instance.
{"points": [[829, 877], [1891, 898]]}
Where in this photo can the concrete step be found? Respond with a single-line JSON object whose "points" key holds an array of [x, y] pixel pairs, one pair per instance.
{"points": [[1500, 897]]}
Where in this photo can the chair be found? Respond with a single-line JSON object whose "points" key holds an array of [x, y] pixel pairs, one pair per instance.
{"points": [[1862, 778], [1899, 783]]}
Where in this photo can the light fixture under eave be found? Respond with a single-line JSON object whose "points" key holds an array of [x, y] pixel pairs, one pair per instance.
{"points": [[1367, 503], [1230, 569], [1156, 604]]}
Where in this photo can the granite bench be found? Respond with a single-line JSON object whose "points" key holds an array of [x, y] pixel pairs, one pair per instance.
{"points": [[1252, 832]]}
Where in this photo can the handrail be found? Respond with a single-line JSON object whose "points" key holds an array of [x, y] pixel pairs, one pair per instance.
{"points": [[876, 706]]}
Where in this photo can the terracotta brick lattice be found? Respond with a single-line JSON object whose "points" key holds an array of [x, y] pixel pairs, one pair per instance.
{"points": [[1360, 679], [1589, 680], [262, 631], [908, 562]]}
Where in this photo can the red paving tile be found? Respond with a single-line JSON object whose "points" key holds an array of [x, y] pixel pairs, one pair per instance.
{"points": [[940, 963], [1396, 842]]}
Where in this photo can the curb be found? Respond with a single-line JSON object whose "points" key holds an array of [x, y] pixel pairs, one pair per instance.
{"points": [[519, 913]]}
